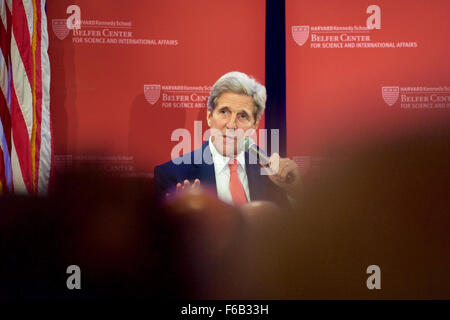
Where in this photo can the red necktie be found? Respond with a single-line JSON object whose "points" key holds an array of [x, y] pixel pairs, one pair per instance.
{"points": [[236, 188]]}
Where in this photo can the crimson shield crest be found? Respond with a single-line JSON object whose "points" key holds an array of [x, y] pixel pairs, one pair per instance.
{"points": [[152, 92], [60, 29], [300, 34], [390, 95]]}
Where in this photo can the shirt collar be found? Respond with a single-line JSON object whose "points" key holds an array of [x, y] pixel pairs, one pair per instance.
{"points": [[220, 161]]}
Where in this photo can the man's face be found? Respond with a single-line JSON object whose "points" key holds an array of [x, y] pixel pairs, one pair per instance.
{"points": [[230, 121]]}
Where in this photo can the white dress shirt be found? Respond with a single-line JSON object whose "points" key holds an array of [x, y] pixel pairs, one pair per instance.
{"points": [[222, 172]]}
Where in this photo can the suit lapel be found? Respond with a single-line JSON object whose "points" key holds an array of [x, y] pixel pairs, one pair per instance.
{"points": [[205, 171], [254, 179]]}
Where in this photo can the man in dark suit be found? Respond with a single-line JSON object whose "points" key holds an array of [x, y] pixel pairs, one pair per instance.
{"points": [[235, 106]]}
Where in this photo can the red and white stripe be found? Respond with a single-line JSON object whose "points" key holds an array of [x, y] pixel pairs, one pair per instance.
{"points": [[25, 78], [46, 143]]}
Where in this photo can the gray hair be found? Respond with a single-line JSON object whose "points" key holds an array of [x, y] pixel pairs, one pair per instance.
{"points": [[240, 83]]}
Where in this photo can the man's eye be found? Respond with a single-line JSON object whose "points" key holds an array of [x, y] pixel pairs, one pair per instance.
{"points": [[243, 115]]}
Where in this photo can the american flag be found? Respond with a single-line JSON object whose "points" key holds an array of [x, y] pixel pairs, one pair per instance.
{"points": [[26, 152]]}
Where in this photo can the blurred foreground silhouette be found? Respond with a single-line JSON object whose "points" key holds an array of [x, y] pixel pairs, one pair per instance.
{"points": [[385, 205]]}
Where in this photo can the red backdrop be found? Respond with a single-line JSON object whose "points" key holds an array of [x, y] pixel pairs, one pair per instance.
{"points": [[99, 109], [334, 95]]}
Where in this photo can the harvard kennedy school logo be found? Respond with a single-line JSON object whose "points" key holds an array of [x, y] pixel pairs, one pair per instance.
{"points": [[390, 95], [152, 92], [300, 34], [60, 29]]}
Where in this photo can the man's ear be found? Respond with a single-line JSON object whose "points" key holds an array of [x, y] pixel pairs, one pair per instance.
{"points": [[208, 117], [256, 125]]}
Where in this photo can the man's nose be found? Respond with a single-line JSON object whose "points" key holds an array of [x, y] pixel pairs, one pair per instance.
{"points": [[231, 124]]}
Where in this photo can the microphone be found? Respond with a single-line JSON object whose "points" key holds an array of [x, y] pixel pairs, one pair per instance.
{"points": [[248, 145]]}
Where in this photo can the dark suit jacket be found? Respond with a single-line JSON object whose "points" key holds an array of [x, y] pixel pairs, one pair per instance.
{"points": [[167, 175]]}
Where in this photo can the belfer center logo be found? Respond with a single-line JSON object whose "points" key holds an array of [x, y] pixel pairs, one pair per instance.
{"points": [[348, 36], [177, 96], [390, 95], [111, 32], [300, 34], [152, 93], [419, 97], [60, 29]]}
